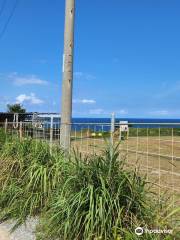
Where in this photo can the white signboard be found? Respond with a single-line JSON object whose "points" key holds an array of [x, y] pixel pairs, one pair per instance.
{"points": [[124, 126], [63, 63]]}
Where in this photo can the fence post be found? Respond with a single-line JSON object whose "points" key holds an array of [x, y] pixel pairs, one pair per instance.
{"points": [[20, 131], [51, 134], [5, 125], [112, 128]]}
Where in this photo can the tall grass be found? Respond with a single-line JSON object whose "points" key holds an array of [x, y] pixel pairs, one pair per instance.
{"points": [[28, 176], [76, 197], [100, 199], [2, 138]]}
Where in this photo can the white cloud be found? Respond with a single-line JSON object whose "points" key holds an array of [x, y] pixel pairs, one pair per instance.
{"points": [[97, 111], [84, 76], [121, 112], [100, 111], [31, 99], [26, 80], [165, 113], [84, 101], [159, 113]]}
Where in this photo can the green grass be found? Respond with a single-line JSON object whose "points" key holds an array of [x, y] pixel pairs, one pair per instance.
{"points": [[77, 197], [2, 138], [101, 200], [153, 132], [28, 176]]}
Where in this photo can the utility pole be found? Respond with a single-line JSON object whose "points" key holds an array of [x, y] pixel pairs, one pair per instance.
{"points": [[66, 107]]}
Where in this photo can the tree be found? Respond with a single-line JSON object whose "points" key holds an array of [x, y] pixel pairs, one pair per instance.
{"points": [[15, 108]]}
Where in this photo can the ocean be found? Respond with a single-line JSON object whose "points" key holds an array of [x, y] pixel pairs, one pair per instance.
{"points": [[98, 123]]}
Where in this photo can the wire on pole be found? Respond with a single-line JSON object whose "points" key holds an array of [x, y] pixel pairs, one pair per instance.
{"points": [[9, 19]]}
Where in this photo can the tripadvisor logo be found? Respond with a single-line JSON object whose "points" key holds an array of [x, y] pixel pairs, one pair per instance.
{"points": [[139, 231]]}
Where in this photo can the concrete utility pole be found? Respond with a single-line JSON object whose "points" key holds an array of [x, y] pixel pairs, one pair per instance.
{"points": [[66, 107]]}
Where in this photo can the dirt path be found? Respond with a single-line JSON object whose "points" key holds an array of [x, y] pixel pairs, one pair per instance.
{"points": [[24, 232], [4, 235]]}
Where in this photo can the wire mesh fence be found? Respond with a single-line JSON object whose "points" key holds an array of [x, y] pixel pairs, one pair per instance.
{"points": [[153, 147]]}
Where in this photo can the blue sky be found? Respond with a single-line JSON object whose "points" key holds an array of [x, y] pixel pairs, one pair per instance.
{"points": [[127, 57]]}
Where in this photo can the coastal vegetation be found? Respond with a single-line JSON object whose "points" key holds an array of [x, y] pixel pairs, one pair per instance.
{"points": [[76, 196]]}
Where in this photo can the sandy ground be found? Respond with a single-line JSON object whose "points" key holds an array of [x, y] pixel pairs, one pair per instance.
{"points": [[24, 232], [4, 235], [159, 158]]}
